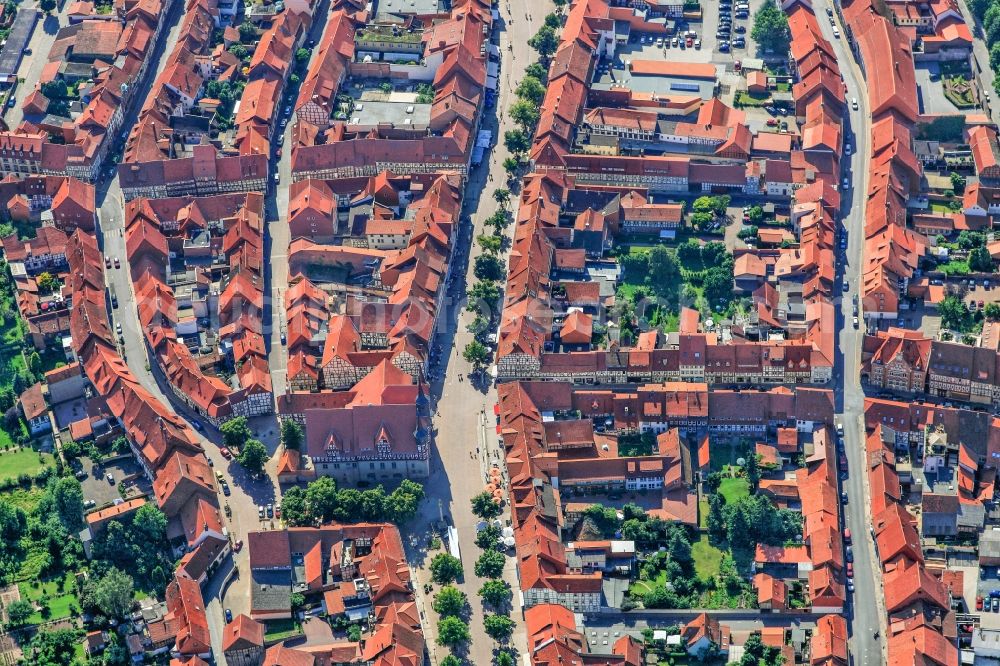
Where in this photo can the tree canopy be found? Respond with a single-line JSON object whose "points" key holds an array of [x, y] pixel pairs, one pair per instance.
{"points": [[445, 568], [770, 29]]}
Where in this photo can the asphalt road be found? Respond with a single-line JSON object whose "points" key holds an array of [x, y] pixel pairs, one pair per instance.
{"points": [[865, 613], [32, 65]]}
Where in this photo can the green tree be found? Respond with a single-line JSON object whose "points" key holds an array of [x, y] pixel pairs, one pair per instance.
{"points": [[488, 267], [524, 114], [248, 32], [554, 21], [716, 517], [150, 524], [53, 648], [34, 362], [452, 631], [47, 5], [980, 260], [511, 165], [451, 660], [68, 497], [702, 220], [703, 204], [496, 593], [235, 432], [294, 509], [756, 214], [486, 292], [545, 42], [953, 313], [504, 658], [490, 564], [445, 568], [477, 354], [450, 601], [995, 56], [321, 498], [718, 285], [756, 653], [19, 611], [253, 456], [239, 51], [302, 56], [957, 180], [517, 140], [46, 282], [991, 24], [113, 594], [502, 196], [992, 311], [484, 506], [970, 239], [488, 537], [402, 503], [770, 29], [537, 71], [291, 434], [664, 271], [531, 90], [489, 243], [498, 220], [498, 627], [479, 326]]}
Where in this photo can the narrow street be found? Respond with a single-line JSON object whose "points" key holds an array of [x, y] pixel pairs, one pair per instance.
{"points": [[247, 494], [466, 442], [865, 606], [31, 66]]}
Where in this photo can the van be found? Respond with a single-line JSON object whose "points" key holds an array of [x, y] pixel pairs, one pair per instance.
{"points": [[836, 32], [854, 103]]}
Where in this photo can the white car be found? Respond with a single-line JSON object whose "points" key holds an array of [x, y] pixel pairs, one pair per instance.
{"points": [[847, 184], [854, 103], [847, 148]]}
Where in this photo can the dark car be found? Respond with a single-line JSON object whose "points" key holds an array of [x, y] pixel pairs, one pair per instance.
{"points": [[740, 29], [229, 615], [225, 490]]}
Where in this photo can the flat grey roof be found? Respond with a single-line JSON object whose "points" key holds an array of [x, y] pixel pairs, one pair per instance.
{"points": [[373, 113], [20, 33], [384, 7]]}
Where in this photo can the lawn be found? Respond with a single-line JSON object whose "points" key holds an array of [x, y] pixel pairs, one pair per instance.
{"points": [[59, 602], [733, 489], [22, 461], [703, 508], [279, 630], [707, 558]]}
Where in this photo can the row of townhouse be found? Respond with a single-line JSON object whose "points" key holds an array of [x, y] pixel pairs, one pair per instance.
{"points": [[398, 314], [164, 446], [696, 357], [546, 455], [125, 42], [446, 50], [918, 598], [226, 296], [537, 302], [162, 161], [892, 251], [819, 560], [908, 361], [362, 574]]}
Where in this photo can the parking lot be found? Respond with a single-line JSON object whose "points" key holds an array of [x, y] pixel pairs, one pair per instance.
{"points": [[96, 486]]}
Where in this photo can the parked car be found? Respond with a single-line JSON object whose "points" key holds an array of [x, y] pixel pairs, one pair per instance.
{"points": [[260, 512], [979, 602], [270, 511], [110, 477], [225, 489], [772, 122], [226, 453], [238, 546], [107, 262], [229, 616], [196, 424], [118, 264]]}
